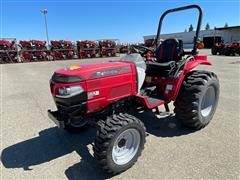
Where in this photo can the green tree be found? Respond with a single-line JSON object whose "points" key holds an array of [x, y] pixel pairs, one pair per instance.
{"points": [[207, 26], [185, 30], [226, 25], [190, 28]]}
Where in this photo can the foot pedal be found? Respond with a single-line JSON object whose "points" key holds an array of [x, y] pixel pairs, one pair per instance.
{"points": [[164, 113]]}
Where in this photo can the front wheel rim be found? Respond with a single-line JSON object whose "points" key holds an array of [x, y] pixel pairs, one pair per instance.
{"points": [[126, 146], [208, 101]]}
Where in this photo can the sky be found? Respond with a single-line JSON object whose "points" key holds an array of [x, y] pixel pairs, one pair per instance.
{"points": [[127, 20]]}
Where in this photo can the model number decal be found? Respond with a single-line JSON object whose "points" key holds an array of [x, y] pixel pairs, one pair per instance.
{"points": [[92, 94], [109, 72]]}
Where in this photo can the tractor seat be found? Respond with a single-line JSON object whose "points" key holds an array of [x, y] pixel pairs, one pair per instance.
{"points": [[168, 54]]}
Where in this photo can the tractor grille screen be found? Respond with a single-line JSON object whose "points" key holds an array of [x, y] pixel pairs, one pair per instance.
{"points": [[65, 79]]}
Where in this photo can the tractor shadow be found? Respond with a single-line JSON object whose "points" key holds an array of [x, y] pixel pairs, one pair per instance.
{"points": [[163, 126], [53, 143]]}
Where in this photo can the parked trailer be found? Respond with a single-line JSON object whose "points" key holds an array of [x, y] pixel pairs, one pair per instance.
{"points": [[8, 51]]}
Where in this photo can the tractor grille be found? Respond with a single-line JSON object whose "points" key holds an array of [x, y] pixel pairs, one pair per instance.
{"points": [[74, 106]]}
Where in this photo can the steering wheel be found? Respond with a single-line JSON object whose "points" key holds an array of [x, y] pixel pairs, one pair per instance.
{"points": [[142, 50]]}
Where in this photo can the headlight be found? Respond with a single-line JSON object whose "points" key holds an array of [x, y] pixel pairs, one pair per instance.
{"points": [[66, 79], [66, 92]]}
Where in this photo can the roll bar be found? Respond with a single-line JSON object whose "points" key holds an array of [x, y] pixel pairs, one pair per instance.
{"points": [[157, 40]]}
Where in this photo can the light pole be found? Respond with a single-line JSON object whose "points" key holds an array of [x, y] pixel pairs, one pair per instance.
{"points": [[45, 11]]}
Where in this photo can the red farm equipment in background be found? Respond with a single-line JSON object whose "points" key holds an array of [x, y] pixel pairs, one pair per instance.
{"points": [[62, 49], [149, 43], [217, 48], [88, 49], [108, 48], [34, 50], [226, 49], [231, 49], [8, 51], [124, 49]]}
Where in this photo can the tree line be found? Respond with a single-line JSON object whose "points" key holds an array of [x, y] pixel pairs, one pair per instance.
{"points": [[207, 27]]}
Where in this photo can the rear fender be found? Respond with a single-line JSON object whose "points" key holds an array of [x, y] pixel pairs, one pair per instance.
{"points": [[197, 60]]}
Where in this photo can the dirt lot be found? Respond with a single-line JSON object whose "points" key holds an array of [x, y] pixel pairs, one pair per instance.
{"points": [[33, 148]]}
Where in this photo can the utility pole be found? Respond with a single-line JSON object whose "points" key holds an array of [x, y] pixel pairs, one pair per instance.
{"points": [[45, 11]]}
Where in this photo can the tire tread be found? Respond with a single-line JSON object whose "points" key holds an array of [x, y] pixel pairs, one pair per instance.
{"points": [[107, 131], [187, 102]]}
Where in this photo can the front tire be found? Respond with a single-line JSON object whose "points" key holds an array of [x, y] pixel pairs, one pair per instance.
{"points": [[197, 99], [119, 142]]}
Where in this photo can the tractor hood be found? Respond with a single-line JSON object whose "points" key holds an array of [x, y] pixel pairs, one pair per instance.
{"points": [[96, 70]]}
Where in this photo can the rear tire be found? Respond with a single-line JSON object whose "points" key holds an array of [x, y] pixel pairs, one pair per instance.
{"points": [[197, 99], [119, 142]]}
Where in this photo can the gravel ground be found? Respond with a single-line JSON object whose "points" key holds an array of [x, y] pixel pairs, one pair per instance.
{"points": [[33, 148]]}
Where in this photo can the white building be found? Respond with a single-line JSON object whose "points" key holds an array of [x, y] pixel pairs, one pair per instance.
{"points": [[226, 34]]}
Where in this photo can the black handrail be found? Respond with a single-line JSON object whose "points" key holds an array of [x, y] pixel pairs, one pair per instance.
{"points": [[157, 40]]}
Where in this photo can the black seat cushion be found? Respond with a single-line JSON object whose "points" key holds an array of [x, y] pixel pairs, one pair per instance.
{"points": [[169, 50], [159, 69]]}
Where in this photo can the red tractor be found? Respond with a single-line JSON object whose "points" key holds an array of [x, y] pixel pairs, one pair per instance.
{"points": [[34, 50], [88, 49], [62, 49], [218, 48], [111, 93], [231, 49], [8, 51], [226, 49]]}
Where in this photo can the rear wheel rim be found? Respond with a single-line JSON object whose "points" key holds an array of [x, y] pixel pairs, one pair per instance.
{"points": [[208, 101], [126, 146]]}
